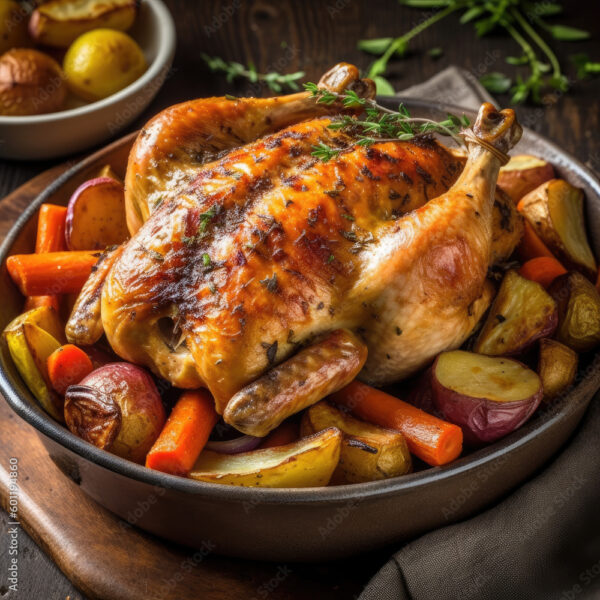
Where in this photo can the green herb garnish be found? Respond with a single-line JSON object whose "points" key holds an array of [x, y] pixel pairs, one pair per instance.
{"points": [[523, 20], [233, 70]]}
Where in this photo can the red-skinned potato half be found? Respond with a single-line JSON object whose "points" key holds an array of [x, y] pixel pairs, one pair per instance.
{"points": [[96, 215], [488, 397], [521, 313], [522, 174], [117, 408]]}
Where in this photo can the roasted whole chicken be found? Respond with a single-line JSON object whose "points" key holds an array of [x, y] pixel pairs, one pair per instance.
{"points": [[273, 278]]}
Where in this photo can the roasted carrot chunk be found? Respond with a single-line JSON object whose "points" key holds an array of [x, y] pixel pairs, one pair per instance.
{"points": [[68, 365], [433, 440], [543, 270], [52, 272], [184, 435]]}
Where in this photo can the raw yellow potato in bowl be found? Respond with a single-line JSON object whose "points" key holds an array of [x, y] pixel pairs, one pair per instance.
{"points": [[101, 62]]}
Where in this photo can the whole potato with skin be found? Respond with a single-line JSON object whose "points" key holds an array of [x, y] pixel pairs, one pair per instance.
{"points": [[31, 83], [117, 408], [102, 62]]}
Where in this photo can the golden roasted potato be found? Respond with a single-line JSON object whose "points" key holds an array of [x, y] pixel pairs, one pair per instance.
{"points": [[522, 174], [557, 367], [521, 313], [309, 462], [102, 62], [13, 26], [507, 227], [368, 452], [555, 211], [31, 83], [578, 311], [59, 22], [30, 342]]}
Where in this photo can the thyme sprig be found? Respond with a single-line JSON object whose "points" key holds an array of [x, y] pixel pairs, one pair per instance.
{"points": [[233, 70], [379, 124], [523, 20]]}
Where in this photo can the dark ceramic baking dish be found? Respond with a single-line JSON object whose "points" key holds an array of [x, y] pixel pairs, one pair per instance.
{"points": [[297, 524]]}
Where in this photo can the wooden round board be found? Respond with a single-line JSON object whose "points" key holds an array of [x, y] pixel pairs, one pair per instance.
{"points": [[108, 559]]}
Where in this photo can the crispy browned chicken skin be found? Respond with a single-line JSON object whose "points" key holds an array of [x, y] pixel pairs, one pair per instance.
{"points": [[250, 257]]}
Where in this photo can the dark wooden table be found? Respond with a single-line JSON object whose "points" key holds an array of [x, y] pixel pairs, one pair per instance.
{"points": [[311, 35]]}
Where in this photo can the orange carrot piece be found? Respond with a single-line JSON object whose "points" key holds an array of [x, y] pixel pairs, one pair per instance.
{"points": [[68, 365], [185, 434], [51, 229], [287, 433], [531, 246], [52, 272], [543, 270], [37, 301], [50, 238], [434, 441]]}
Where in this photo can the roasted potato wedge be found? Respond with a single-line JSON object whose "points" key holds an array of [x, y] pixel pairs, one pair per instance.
{"points": [[507, 227], [557, 367], [555, 211], [521, 313], [522, 174], [59, 22], [368, 452], [107, 171], [578, 304], [309, 462], [30, 344], [43, 317], [488, 397]]}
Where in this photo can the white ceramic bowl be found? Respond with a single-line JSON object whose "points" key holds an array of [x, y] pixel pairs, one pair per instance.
{"points": [[75, 129]]}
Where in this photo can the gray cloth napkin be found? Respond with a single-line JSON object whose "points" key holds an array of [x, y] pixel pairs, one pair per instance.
{"points": [[543, 541]]}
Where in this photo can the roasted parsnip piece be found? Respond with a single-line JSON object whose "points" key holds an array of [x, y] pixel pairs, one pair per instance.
{"points": [[31, 338], [309, 462], [557, 367], [578, 311], [313, 373], [59, 22], [521, 313], [555, 211], [522, 174], [368, 452]]}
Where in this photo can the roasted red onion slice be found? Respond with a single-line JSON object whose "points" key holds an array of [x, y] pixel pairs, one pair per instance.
{"points": [[245, 443]]}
